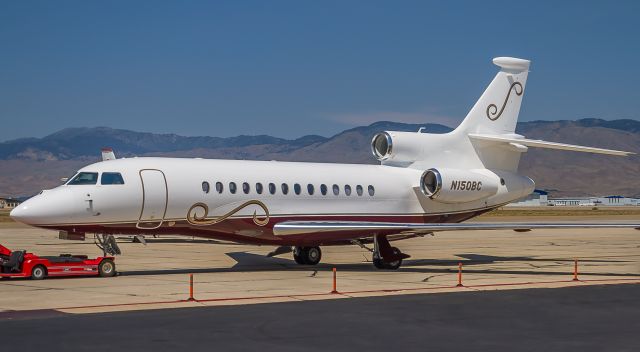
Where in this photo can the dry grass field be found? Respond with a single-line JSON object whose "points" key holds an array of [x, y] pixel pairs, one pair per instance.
{"points": [[561, 211], [4, 215]]}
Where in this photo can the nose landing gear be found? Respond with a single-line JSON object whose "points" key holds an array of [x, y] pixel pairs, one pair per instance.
{"points": [[307, 255], [108, 245]]}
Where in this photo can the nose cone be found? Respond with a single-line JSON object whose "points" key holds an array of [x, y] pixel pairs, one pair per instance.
{"points": [[48, 208], [36, 211], [22, 213]]}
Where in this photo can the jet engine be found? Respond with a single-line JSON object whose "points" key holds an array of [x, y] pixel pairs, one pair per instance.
{"points": [[393, 146], [459, 186]]}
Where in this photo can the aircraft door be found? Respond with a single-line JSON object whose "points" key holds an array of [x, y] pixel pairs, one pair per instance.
{"points": [[155, 196]]}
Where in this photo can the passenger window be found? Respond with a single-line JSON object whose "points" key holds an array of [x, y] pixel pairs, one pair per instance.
{"points": [[323, 189], [336, 190], [285, 188], [232, 187], [372, 190], [259, 188], [111, 178], [205, 186], [219, 187], [310, 189], [297, 188], [84, 178], [272, 188], [347, 190], [359, 190], [246, 188]]}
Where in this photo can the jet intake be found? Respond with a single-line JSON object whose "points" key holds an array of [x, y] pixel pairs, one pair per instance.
{"points": [[382, 146], [459, 186]]}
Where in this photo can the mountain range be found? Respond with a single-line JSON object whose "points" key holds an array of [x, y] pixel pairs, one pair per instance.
{"points": [[28, 165]]}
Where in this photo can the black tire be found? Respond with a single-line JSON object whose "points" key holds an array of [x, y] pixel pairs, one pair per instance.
{"points": [[107, 268], [298, 255], [395, 264], [378, 263], [312, 255], [38, 272]]}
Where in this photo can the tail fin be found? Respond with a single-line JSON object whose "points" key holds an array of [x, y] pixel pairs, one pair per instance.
{"points": [[485, 139], [496, 112]]}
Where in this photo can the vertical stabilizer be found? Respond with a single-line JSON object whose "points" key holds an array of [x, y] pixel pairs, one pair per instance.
{"points": [[496, 112]]}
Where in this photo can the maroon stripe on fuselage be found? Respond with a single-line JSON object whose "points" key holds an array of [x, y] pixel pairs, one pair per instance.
{"points": [[244, 230]]}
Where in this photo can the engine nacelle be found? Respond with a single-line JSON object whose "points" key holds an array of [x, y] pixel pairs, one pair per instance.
{"points": [[398, 146], [459, 186]]}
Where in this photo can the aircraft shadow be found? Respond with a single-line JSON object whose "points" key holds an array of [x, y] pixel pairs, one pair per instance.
{"points": [[248, 262]]}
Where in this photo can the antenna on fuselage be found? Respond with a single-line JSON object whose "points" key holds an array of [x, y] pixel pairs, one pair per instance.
{"points": [[108, 154]]}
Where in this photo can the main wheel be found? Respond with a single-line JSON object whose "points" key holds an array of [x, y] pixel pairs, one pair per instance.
{"points": [[107, 268], [312, 255], [38, 272], [298, 255], [377, 261], [394, 265]]}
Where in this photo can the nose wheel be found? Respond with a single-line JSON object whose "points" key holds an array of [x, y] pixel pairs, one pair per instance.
{"points": [[107, 243], [307, 255]]}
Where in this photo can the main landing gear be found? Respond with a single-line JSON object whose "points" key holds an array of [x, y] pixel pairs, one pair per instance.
{"points": [[385, 256], [307, 255]]}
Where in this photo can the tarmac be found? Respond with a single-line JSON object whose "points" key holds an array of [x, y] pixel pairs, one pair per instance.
{"points": [[587, 318], [156, 276]]}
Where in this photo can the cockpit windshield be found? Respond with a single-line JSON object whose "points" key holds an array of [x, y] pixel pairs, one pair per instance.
{"points": [[111, 178], [84, 178]]}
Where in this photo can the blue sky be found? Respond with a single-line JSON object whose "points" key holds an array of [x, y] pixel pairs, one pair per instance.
{"points": [[291, 68]]}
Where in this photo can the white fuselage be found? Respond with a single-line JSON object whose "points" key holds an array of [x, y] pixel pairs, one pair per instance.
{"points": [[158, 193]]}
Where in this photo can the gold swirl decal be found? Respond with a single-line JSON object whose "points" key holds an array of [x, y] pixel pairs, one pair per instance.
{"points": [[492, 109], [194, 219]]}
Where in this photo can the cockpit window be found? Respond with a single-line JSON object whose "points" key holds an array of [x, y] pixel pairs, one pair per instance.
{"points": [[84, 178], [111, 178]]}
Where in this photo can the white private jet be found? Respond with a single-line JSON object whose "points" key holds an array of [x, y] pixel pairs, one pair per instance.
{"points": [[426, 183]]}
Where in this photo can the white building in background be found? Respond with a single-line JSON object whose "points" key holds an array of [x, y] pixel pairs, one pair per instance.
{"points": [[541, 198], [536, 199], [596, 201], [9, 203]]}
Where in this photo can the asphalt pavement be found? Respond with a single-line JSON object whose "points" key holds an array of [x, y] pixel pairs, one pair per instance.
{"points": [[590, 318]]}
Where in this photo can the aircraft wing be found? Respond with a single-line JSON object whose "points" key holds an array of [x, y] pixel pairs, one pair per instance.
{"points": [[356, 229], [524, 142]]}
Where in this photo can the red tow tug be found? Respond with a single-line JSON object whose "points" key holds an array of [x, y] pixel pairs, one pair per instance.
{"points": [[24, 264]]}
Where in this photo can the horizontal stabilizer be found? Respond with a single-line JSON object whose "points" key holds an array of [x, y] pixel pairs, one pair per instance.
{"points": [[544, 144], [317, 227]]}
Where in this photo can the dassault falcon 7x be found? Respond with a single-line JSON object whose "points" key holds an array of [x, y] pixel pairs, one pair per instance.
{"points": [[425, 183]]}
